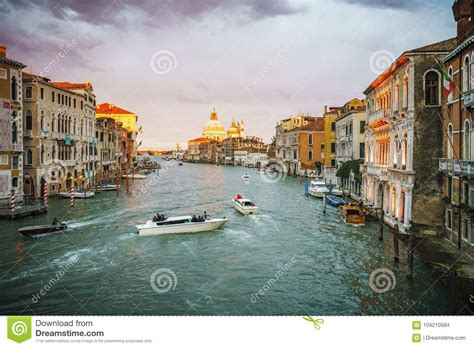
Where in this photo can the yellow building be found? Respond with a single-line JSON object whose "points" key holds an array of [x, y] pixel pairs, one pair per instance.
{"points": [[127, 118], [329, 151]]}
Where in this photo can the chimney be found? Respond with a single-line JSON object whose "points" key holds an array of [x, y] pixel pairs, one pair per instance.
{"points": [[325, 109], [3, 51], [462, 15]]}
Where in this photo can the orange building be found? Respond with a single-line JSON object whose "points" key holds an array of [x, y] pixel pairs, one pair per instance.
{"points": [[311, 144]]}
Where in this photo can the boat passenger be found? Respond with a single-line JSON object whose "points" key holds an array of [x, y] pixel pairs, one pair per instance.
{"points": [[194, 219], [205, 215], [55, 221]]}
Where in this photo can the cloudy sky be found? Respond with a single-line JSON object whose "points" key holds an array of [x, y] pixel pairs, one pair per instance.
{"points": [[255, 60]]}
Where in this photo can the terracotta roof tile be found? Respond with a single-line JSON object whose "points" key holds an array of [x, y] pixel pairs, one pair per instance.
{"points": [[111, 109]]}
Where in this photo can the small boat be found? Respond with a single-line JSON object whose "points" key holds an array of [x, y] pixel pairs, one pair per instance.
{"points": [[246, 177], [318, 188], [245, 206], [335, 201], [352, 215], [179, 224], [31, 231], [134, 176], [106, 187], [77, 194]]}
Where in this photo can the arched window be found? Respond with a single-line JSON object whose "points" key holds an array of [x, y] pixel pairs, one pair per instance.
{"points": [[42, 154], [450, 141], [42, 120], [466, 74], [29, 120], [29, 157], [14, 89], [431, 88], [396, 95], [466, 148], [405, 91]]}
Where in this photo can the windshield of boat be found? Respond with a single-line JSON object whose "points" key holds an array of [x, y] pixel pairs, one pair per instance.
{"points": [[249, 204], [352, 212]]}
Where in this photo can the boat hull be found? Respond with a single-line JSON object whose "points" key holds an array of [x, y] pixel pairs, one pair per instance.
{"points": [[334, 201], [245, 210], [32, 231], [195, 227], [77, 194]]}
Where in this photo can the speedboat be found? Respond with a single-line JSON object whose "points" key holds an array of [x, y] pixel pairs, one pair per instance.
{"points": [[246, 177], [245, 206], [352, 215], [106, 187], [317, 188], [31, 231], [335, 201], [77, 194], [179, 224], [133, 176]]}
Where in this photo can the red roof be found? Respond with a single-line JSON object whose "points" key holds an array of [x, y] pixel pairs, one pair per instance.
{"points": [[69, 85], [107, 108]]}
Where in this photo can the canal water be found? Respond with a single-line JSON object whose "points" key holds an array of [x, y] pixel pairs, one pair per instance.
{"points": [[291, 259]]}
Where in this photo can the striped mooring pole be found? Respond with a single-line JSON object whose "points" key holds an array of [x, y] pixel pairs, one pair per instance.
{"points": [[13, 202], [72, 196], [45, 194]]}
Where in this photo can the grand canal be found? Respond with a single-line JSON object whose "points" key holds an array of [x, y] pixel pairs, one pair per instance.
{"points": [[290, 259]]}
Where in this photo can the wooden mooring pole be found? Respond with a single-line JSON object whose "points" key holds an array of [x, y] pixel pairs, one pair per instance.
{"points": [[381, 217], [324, 203], [411, 238], [396, 245]]}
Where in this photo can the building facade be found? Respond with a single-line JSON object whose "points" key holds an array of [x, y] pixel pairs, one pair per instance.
{"points": [[11, 127], [403, 140], [329, 151], [350, 129], [59, 135], [457, 164]]}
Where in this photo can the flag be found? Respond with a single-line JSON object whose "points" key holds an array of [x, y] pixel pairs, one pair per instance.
{"points": [[448, 83], [238, 196]]}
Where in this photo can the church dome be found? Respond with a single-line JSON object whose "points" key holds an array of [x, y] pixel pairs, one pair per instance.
{"points": [[214, 129], [234, 130]]}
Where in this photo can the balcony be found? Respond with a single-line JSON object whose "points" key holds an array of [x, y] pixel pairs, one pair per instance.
{"points": [[28, 134], [378, 118], [468, 98], [464, 168], [376, 170], [17, 147], [69, 163]]}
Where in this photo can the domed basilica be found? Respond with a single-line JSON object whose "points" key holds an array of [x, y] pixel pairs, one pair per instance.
{"points": [[215, 131]]}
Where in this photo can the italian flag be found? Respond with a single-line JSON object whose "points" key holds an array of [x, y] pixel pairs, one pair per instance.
{"points": [[448, 83]]}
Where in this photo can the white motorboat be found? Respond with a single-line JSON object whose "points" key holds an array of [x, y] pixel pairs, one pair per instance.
{"points": [[246, 177], [318, 188], [134, 176], [245, 206], [179, 224], [77, 194], [106, 187]]}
